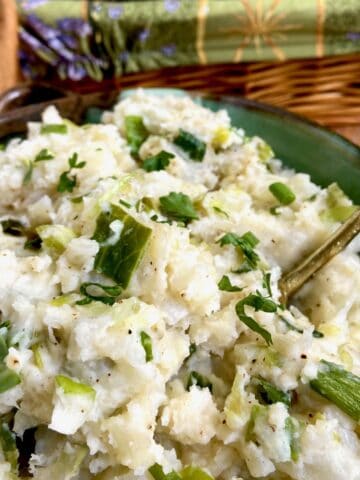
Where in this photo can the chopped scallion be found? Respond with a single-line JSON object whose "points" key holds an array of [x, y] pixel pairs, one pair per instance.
{"points": [[147, 346], [282, 193], [59, 128]]}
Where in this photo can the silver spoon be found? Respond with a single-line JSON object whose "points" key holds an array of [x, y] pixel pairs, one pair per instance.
{"points": [[292, 281]]}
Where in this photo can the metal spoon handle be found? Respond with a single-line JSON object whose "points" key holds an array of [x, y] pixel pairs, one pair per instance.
{"points": [[292, 281]]}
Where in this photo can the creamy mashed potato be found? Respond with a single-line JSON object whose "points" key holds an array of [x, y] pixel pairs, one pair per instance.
{"points": [[142, 335]]}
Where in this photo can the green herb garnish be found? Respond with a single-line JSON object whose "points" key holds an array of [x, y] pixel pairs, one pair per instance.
{"points": [[120, 252], [282, 193], [94, 292], [157, 473], [72, 387], [226, 286], [246, 243], [194, 147], [136, 133], [194, 473], [59, 128], [269, 394], [258, 302], [67, 182], [8, 378], [317, 334], [267, 283], [8, 446], [339, 387], [147, 346], [13, 227], [178, 206], [124, 203], [43, 156], [157, 162], [291, 428], [201, 381]]}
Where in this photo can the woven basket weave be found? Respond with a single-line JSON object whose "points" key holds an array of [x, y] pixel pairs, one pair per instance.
{"points": [[326, 90]]}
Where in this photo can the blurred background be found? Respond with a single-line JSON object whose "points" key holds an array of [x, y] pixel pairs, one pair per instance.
{"points": [[299, 55]]}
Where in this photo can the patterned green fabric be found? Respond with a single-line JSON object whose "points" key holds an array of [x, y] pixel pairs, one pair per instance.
{"points": [[98, 39]]}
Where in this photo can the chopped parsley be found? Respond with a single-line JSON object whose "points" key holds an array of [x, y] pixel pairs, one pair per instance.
{"points": [[136, 133], [226, 285], [258, 302], [59, 128], [147, 346], [178, 206], [96, 292], [282, 193], [194, 147], [201, 381], [67, 182], [246, 243], [157, 162], [43, 156]]}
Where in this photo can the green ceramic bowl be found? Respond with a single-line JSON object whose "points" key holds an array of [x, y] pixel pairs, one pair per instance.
{"points": [[300, 144]]}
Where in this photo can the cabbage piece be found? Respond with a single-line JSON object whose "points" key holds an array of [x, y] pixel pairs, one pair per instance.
{"points": [[122, 242], [73, 403], [55, 237], [339, 205], [67, 465]]}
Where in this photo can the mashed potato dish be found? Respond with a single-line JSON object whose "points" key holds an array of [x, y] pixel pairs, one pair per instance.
{"points": [[142, 334]]}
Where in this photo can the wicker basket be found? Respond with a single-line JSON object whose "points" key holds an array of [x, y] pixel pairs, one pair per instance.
{"points": [[326, 90]]}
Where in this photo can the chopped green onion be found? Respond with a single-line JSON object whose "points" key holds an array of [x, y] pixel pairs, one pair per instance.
{"points": [[226, 285], [290, 326], [194, 473], [28, 173], [8, 445], [157, 473], [147, 346], [339, 387], [317, 334], [71, 387], [178, 206], [338, 205], [59, 128], [282, 193], [157, 162], [8, 378], [119, 257], [112, 293], [201, 381], [220, 211], [13, 227], [194, 147], [269, 393], [124, 204], [267, 283], [258, 302], [291, 428], [246, 243], [79, 199], [43, 155], [37, 355], [136, 133]]}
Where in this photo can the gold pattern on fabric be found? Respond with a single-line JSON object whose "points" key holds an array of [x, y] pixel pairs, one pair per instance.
{"points": [[200, 34], [320, 28]]}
